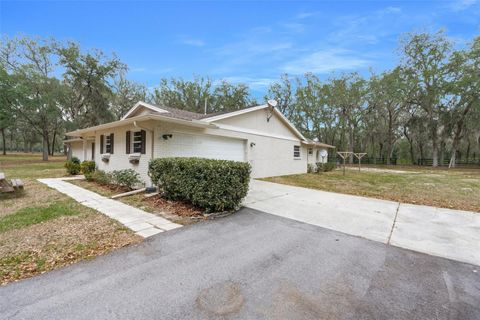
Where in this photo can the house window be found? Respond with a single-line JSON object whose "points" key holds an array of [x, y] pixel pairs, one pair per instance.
{"points": [[137, 142], [310, 151], [108, 143], [296, 152]]}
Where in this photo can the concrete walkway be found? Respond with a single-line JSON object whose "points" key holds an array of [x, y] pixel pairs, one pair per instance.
{"points": [[452, 234], [142, 223]]}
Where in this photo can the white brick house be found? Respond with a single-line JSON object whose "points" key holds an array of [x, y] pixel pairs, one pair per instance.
{"points": [[260, 135]]}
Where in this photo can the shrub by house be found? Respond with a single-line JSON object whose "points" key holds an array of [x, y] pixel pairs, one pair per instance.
{"points": [[213, 185], [73, 166]]}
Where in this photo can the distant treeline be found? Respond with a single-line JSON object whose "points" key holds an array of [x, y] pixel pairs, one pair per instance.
{"points": [[427, 107]]}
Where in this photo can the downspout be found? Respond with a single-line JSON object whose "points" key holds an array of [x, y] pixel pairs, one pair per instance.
{"points": [[149, 130]]}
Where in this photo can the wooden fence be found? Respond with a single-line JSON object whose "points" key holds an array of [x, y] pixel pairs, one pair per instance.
{"points": [[446, 162]]}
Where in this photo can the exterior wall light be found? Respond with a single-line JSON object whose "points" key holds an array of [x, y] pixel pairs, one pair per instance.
{"points": [[252, 144], [167, 136]]}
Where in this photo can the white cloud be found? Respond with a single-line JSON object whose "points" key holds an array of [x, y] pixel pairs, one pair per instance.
{"points": [[294, 27], [154, 71], [459, 5], [390, 10], [190, 41], [325, 61], [304, 15]]}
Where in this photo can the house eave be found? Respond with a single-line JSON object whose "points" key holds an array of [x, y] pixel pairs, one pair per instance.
{"points": [[317, 144], [127, 121]]}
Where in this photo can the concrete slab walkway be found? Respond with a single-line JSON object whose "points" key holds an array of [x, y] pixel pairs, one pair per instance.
{"points": [[452, 234], [142, 223]]}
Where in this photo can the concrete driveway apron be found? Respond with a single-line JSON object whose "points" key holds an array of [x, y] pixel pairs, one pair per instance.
{"points": [[447, 233]]}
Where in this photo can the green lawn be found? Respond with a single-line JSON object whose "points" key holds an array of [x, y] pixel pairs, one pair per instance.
{"points": [[42, 229], [31, 166], [447, 188], [32, 215]]}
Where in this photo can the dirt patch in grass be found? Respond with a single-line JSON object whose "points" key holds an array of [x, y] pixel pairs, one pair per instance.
{"points": [[453, 189], [34, 194], [56, 243], [42, 229]]}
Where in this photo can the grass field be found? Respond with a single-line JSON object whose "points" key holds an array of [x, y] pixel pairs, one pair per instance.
{"points": [[445, 188], [42, 229]]}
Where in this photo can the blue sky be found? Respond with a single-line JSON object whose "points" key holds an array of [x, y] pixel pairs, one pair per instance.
{"points": [[243, 41]]}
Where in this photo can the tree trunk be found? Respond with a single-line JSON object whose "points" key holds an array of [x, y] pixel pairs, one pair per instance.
{"points": [[434, 147], [412, 153], [351, 142], [442, 152], [52, 151], [453, 158], [380, 153], [468, 151], [389, 153], [420, 147], [45, 146], [4, 142]]}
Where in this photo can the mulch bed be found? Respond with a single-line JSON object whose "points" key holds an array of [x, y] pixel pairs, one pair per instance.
{"points": [[175, 207]]}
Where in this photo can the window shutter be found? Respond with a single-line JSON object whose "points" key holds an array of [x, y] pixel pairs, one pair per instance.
{"points": [[144, 140], [111, 143], [102, 143], [127, 139]]}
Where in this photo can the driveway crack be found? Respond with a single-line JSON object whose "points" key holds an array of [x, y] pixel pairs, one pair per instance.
{"points": [[393, 225]]}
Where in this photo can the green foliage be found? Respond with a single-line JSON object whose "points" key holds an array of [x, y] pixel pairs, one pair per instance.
{"points": [[325, 167], [192, 95], [73, 166], [87, 167], [33, 215], [128, 178], [100, 177], [88, 76], [311, 168], [213, 185]]}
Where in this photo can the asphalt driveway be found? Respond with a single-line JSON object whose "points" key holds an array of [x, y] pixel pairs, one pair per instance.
{"points": [[251, 265]]}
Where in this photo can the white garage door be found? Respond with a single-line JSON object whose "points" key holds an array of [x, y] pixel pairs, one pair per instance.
{"points": [[205, 146]]}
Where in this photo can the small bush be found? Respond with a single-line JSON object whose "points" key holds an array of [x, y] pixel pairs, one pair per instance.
{"points": [[128, 178], [311, 168], [87, 167], [73, 166], [324, 167], [100, 177], [212, 185]]}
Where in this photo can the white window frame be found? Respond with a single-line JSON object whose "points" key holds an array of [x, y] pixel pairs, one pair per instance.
{"points": [[295, 151], [136, 143], [108, 143]]}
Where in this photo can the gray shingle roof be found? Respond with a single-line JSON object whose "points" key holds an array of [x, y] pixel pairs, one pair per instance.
{"points": [[189, 115], [181, 114]]}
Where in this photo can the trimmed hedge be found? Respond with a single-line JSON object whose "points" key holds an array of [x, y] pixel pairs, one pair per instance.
{"points": [[213, 185]]}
